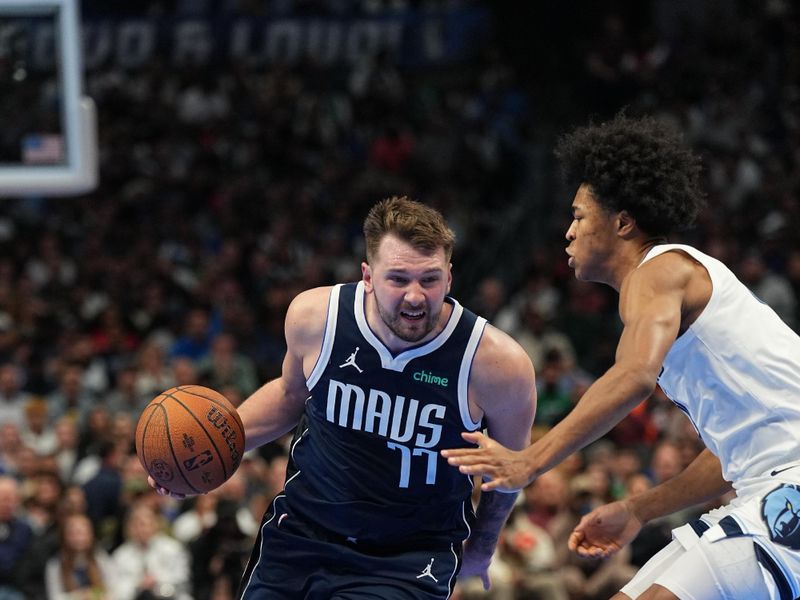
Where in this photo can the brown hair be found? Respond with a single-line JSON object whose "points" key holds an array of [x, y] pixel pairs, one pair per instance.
{"points": [[69, 557], [413, 222]]}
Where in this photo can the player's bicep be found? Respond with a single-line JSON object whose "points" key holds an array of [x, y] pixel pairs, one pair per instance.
{"points": [[510, 421], [304, 329], [275, 407], [504, 387], [293, 379]]}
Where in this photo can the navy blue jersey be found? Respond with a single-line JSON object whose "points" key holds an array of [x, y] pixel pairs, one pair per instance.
{"points": [[365, 460]]}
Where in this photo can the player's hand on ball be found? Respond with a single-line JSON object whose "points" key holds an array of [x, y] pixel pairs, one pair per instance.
{"points": [[190, 440], [505, 470], [163, 491]]}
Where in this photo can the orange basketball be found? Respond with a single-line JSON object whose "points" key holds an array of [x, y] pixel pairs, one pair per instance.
{"points": [[190, 439]]}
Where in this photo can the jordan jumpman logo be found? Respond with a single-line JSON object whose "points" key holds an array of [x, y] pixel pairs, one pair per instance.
{"points": [[426, 572], [351, 361]]}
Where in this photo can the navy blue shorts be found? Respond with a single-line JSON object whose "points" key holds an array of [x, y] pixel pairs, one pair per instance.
{"points": [[288, 563]]}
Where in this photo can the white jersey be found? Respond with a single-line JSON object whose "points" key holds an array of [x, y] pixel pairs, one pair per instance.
{"points": [[736, 373]]}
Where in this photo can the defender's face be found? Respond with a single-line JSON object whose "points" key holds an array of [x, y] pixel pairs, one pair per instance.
{"points": [[591, 236], [408, 287]]}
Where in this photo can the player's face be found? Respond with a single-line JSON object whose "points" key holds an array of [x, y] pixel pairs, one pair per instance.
{"points": [[408, 287], [592, 237]]}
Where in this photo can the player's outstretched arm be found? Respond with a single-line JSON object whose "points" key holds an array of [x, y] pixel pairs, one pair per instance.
{"points": [[650, 307], [608, 528], [502, 387]]}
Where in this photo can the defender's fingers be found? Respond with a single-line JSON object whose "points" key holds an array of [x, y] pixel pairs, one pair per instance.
{"points": [[576, 538], [476, 468], [589, 551], [467, 460], [495, 485], [460, 452], [595, 551], [475, 437]]}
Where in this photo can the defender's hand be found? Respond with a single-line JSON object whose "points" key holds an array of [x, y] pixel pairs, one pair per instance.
{"points": [[604, 531], [506, 470]]}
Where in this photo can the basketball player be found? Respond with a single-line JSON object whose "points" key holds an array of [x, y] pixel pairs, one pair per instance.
{"points": [[379, 376], [723, 357]]}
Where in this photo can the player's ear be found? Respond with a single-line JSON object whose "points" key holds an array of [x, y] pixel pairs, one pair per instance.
{"points": [[626, 224], [366, 276], [449, 277]]}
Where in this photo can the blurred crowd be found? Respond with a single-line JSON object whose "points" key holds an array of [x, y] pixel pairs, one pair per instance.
{"points": [[225, 192]]}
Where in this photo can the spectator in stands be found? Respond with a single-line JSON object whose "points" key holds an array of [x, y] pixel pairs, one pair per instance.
{"points": [[149, 564], [123, 396], [13, 398], [184, 371], [536, 534], [37, 432], [42, 496], [226, 367], [770, 287], [80, 570], [104, 489], [66, 452], [95, 430], [198, 516], [195, 342], [71, 398], [15, 540], [219, 556], [537, 335], [153, 375], [10, 448]]}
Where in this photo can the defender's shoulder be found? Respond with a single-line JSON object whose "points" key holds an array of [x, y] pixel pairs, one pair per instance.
{"points": [[669, 270]]}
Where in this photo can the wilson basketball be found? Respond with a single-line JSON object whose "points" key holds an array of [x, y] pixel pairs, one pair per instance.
{"points": [[190, 439]]}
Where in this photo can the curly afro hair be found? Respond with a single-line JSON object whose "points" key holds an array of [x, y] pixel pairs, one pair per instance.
{"points": [[638, 165]]}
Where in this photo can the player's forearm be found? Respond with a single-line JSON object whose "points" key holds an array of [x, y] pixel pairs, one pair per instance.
{"points": [[603, 405], [700, 482], [269, 413], [491, 515]]}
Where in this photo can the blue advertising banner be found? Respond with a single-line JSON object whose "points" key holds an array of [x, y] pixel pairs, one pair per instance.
{"points": [[407, 39]]}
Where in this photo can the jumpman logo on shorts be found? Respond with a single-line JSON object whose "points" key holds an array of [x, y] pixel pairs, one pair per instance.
{"points": [[426, 572], [351, 361]]}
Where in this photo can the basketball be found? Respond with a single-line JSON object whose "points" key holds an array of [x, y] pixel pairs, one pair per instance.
{"points": [[190, 439]]}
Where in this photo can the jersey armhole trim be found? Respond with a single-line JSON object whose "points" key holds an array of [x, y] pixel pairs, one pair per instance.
{"points": [[464, 373], [327, 338]]}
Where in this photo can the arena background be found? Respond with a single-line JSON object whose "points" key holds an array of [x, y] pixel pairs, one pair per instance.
{"points": [[240, 143]]}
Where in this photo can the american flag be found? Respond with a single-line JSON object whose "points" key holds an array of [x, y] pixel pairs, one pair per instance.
{"points": [[42, 149]]}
